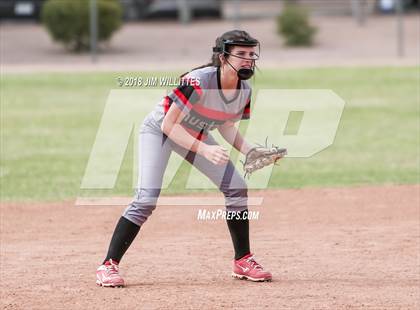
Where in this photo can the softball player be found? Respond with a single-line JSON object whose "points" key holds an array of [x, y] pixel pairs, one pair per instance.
{"points": [[212, 96]]}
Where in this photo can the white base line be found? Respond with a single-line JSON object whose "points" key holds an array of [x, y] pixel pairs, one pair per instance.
{"points": [[162, 201]]}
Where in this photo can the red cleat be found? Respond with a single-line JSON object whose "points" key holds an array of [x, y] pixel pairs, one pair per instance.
{"points": [[107, 275], [247, 268]]}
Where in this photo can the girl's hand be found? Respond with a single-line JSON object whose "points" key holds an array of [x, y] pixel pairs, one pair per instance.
{"points": [[216, 154]]}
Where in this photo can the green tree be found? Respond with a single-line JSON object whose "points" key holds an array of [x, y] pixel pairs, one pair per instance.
{"points": [[68, 21], [293, 24]]}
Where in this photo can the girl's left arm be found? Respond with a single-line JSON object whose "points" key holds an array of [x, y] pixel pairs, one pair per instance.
{"points": [[232, 135]]}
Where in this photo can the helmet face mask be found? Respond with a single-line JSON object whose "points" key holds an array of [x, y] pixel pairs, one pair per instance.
{"points": [[242, 73], [255, 56], [248, 43], [238, 38]]}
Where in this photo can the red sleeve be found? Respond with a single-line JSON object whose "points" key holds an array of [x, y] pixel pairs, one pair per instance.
{"points": [[247, 110], [185, 96]]}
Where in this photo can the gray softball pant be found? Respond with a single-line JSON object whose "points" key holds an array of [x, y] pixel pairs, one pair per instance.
{"points": [[155, 149]]}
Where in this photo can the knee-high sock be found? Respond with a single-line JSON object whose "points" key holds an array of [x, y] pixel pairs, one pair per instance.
{"points": [[239, 231], [124, 234]]}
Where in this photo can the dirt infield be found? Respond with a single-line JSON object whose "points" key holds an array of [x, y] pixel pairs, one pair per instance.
{"points": [[345, 248]]}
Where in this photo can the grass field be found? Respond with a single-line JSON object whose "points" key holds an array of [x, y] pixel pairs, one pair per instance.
{"points": [[49, 123]]}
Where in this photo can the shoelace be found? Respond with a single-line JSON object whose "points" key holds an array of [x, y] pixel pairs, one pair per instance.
{"points": [[112, 270], [253, 263]]}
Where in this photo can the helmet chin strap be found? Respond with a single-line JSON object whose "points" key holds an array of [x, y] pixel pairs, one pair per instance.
{"points": [[243, 73]]}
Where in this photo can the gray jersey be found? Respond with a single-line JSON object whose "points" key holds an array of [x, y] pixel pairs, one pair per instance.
{"points": [[200, 97]]}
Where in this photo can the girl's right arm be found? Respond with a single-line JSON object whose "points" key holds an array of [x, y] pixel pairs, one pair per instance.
{"points": [[173, 129]]}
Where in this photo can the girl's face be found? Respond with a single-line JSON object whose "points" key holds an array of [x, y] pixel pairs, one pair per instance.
{"points": [[245, 56]]}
